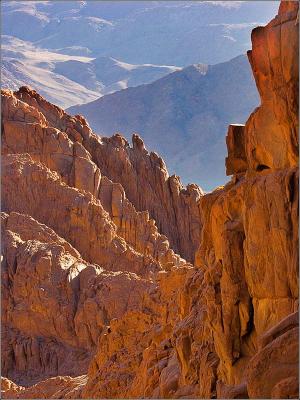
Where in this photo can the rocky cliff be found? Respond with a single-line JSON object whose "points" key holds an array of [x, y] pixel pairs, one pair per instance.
{"points": [[77, 253], [97, 298]]}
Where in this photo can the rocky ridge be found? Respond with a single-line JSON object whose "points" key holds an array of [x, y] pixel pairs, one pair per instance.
{"points": [[73, 240], [97, 305]]}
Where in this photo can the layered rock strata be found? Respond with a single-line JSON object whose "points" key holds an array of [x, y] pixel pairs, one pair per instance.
{"points": [[95, 302]]}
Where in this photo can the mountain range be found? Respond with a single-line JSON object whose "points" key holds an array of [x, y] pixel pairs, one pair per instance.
{"points": [[70, 79], [183, 116], [152, 32], [82, 52]]}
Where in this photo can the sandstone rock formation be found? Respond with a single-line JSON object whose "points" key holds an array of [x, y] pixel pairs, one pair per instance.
{"points": [[76, 252], [143, 176], [96, 304]]}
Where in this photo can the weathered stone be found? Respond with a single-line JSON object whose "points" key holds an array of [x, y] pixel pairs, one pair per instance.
{"points": [[274, 369], [272, 129], [236, 161], [96, 304]]}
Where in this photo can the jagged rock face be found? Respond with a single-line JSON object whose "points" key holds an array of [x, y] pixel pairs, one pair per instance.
{"points": [[249, 240], [246, 285], [143, 176], [77, 255], [272, 130], [249, 249], [61, 387], [55, 305], [95, 302], [148, 186], [64, 153]]}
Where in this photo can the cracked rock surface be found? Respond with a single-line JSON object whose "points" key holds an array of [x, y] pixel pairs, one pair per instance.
{"points": [[118, 282]]}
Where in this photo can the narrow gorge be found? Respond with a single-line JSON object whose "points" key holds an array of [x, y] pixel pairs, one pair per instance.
{"points": [[120, 282]]}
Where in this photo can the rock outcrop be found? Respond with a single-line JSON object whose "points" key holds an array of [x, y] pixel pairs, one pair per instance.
{"points": [[143, 175], [76, 252], [249, 239], [96, 304]]}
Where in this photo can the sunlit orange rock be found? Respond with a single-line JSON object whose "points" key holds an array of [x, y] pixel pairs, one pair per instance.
{"points": [[97, 298]]}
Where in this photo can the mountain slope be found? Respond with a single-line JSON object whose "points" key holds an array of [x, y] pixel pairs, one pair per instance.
{"points": [[70, 79], [183, 116], [63, 91], [108, 75], [163, 33]]}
